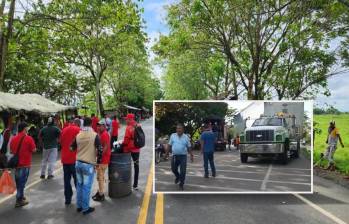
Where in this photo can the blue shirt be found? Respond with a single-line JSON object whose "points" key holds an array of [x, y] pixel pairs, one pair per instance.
{"points": [[180, 144], [209, 139]]}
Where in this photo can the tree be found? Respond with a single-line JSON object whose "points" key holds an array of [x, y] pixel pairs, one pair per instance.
{"points": [[275, 48], [88, 34], [192, 115]]}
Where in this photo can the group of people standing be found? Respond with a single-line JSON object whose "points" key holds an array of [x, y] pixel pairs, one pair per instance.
{"points": [[180, 144], [85, 145]]}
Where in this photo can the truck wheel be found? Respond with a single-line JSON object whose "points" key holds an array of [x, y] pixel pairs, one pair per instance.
{"points": [[243, 157], [284, 155]]}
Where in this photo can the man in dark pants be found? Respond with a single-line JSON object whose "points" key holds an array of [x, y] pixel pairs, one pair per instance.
{"points": [[68, 157], [208, 141], [180, 144], [128, 146]]}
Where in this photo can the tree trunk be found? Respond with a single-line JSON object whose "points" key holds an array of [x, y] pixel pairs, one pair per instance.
{"points": [[4, 41], [98, 98]]}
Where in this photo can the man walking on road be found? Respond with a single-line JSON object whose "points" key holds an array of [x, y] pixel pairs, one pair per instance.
{"points": [[89, 154], [332, 140], [114, 131], [180, 144], [102, 167], [208, 141], [49, 136], [129, 146], [24, 145], [68, 157]]}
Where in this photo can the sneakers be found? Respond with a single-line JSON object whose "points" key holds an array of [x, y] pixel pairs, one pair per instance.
{"points": [[79, 209], [42, 177], [181, 187], [176, 180], [88, 211], [135, 188], [21, 202], [98, 197], [50, 177]]}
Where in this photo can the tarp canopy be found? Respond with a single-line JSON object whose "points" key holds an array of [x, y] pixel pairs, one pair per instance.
{"points": [[131, 107], [30, 103]]}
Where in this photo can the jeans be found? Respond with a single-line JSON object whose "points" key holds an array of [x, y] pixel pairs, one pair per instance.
{"points": [[84, 175], [181, 162], [49, 157], [21, 177], [69, 172], [135, 158], [208, 157]]}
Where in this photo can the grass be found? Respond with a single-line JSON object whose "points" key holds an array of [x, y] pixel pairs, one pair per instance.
{"points": [[341, 155]]}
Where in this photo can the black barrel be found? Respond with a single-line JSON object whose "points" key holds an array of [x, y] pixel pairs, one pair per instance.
{"points": [[120, 175]]}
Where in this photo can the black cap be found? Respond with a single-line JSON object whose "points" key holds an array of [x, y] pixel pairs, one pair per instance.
{"points": [[22, 126]]}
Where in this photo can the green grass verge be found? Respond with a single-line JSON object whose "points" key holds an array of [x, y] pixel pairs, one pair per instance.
{"points": [[341, 156]]}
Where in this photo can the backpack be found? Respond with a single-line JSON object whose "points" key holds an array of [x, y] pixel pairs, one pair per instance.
{"points": [[139, 137]]}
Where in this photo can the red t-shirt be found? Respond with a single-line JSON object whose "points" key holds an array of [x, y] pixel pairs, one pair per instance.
{"points": [[105, 139], [115, 128], [95, 120], [128, 143], [26, 150], [67, 137]]}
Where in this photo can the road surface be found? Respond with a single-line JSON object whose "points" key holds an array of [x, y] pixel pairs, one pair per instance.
{"points": [[329, 204], [258, 175]]}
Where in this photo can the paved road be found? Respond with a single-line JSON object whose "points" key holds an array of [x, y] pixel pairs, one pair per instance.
{"points": [[258, 175], [329, 204], [47, 198]]}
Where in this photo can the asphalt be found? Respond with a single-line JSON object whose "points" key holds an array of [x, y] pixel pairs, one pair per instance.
{"points": [[258, 175], [328, 204]]}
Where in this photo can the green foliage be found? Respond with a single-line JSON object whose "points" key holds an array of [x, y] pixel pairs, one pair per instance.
{"points": [[341, 156], [192, 115]]}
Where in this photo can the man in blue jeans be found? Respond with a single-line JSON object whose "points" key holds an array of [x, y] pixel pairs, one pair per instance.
{"points": [[180, 144], [208, 141], [89, 154]]}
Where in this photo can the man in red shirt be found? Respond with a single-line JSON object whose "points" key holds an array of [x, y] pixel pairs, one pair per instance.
{"points": [[128, 146], [68, 157], [114, 131], [101, 168], [24, 145], [94, 122]]}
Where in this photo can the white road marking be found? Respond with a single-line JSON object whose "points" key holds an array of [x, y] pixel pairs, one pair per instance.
{"points": [[321, 210], [27, 187], [199, 186], [266, 179]]}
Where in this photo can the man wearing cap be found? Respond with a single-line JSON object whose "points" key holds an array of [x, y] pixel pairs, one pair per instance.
{"points": [[101, 168], [128, 146], [89, 154], [49, 137], [68, 157], [24, 145]]}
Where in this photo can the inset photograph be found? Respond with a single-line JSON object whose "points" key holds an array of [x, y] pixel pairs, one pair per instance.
{"points": [[233, 146]]}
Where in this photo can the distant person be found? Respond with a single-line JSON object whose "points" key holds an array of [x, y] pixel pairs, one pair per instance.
{"points": [[68, 157], [180, 144], [102, 167], [108, 123], [58, 121], [114, 130], [207, 142], [89, 155], [129, 146], [95, 120], [24, 145], [49, 137], [332, 139]]}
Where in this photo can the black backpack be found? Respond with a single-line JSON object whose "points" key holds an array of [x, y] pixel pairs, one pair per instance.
{"points": [[139, 137]]}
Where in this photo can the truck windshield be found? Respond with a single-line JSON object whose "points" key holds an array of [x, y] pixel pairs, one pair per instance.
{"points": [[267, 122]]}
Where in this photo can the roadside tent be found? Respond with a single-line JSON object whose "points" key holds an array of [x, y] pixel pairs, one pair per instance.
{"points": [[30, 103]]}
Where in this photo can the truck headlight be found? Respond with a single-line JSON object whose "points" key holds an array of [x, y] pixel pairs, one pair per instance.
{"points": [[278, 138]]}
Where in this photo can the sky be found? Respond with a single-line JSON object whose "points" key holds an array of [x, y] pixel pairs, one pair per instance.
{"points": [[155, 14]]}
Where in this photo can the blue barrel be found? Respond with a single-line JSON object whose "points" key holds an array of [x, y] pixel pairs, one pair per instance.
{"points": [[120, 175]]}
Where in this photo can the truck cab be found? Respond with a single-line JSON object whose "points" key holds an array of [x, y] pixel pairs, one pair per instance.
{"points": [[270, 136]]}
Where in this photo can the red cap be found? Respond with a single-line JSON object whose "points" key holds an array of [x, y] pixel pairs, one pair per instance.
{"points": [[130, 117]]}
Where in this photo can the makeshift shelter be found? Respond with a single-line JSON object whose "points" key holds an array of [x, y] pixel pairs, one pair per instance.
{"points": [[30, 103]]}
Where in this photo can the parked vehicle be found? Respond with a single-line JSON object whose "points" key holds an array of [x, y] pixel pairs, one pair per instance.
{"points": [[160, 151], [220, 130], [276, 133]]}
